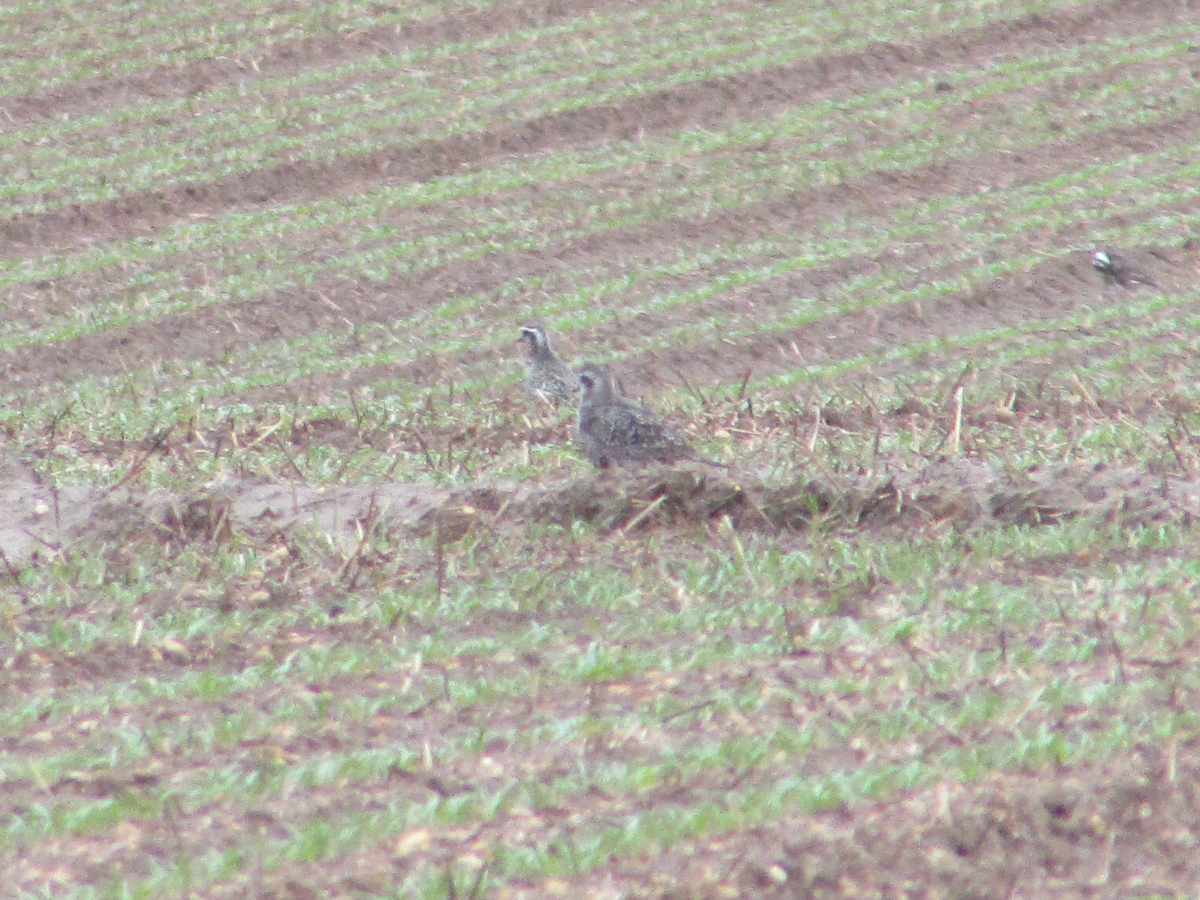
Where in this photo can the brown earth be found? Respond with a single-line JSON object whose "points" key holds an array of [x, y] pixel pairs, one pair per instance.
{"points": [[958, 493], [335, 305], [1126, 829]]}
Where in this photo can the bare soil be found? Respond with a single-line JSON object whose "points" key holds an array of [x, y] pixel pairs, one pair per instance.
{"points": [[1126, 829], [960, 493]]}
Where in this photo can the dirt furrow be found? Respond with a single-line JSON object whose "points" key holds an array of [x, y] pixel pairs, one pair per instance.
{"points": [[215, 330], [281, 59], [707, 104]]}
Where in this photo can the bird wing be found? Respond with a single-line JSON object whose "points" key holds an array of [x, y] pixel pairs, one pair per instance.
{"points": [[646, 436]]}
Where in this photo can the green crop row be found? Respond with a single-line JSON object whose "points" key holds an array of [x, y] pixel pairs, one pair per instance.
{"points": [[287, 270], [318, 125]]}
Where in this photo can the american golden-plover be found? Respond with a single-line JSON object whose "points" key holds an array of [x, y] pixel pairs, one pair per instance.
{"points": [[615, 431]]}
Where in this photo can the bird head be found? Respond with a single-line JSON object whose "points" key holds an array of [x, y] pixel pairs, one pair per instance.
{"points": [[596, 384], [535, 335], [1103, 262]]}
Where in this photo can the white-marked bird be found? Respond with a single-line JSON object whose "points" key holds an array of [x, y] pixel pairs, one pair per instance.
{"points": [[550, 379]]}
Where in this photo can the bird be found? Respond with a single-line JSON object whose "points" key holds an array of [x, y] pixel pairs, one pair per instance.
{"points": [[1109, 268], [550, 379], [1117, 271], [614, 430]]}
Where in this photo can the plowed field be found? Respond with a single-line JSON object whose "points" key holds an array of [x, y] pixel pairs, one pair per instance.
{"points": [[304, 597]]}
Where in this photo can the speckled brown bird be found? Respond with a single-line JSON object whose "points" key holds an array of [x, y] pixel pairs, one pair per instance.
{"points": [[550, 379], [615, 431]]}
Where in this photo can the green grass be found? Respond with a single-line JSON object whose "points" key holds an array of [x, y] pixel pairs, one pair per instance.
{"points": [[958, 683], [357, 116], [357, 699]]}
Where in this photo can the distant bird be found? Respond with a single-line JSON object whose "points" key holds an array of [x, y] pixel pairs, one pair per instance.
{"points": [[612, 430], [1103, 263], [1116, 271], [550, 379]]}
